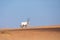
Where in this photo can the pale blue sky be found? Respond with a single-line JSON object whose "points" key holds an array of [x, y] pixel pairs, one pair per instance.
{"points": [[40, 12]]}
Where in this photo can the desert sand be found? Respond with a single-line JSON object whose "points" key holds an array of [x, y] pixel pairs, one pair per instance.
{"points": [[35, 33]]}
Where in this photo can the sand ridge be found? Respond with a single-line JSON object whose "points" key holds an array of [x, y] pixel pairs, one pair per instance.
{"points": [[32, 33]]}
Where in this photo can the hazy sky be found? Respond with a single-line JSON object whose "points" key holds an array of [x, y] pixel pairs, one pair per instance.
{"points": [[40, 12]]}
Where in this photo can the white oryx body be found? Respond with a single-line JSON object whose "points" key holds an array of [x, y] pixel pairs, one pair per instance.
{"points": [[24, 23]]}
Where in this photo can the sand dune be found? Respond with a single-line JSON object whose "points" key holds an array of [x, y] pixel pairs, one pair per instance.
{"points": [[35, 33]]}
